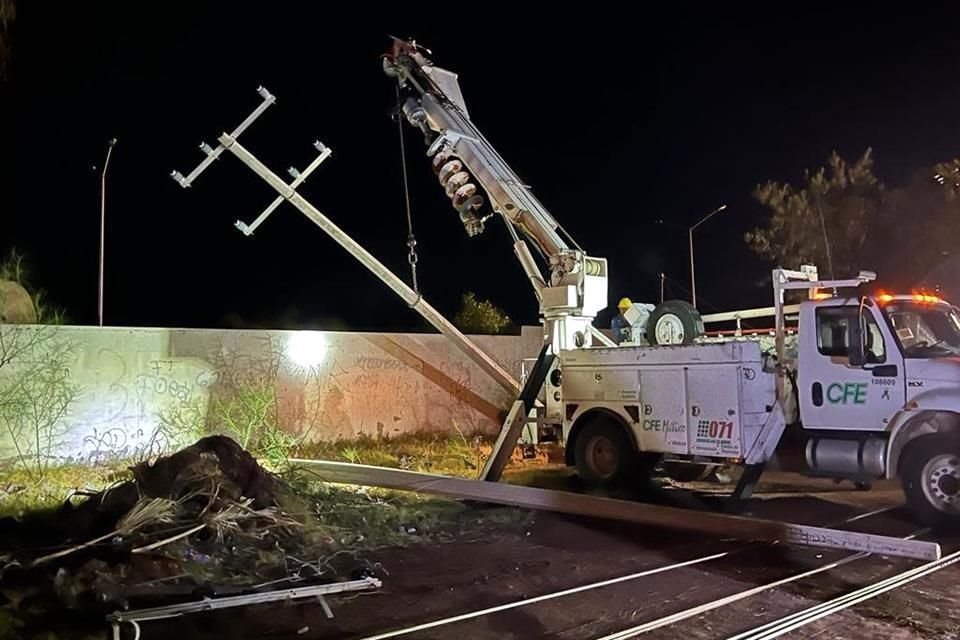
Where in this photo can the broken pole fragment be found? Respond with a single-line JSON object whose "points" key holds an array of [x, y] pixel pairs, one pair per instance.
{"points": [[136, 616], [717, 524]]}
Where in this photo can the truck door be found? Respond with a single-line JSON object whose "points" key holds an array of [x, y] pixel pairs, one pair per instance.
{"points": [[837, 395]]}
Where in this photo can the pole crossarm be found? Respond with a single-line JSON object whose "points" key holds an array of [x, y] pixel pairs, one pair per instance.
{"points": [[288, 191]]}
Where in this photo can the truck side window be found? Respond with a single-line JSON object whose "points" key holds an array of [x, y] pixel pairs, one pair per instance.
{"points": [[833, 333]]}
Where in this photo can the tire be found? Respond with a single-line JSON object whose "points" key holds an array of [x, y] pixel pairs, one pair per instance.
{"points": [[688, 471], [674, 322], [930, 473], [604, 454]]}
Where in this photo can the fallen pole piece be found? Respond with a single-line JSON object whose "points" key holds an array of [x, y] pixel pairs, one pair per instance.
{"points": [[718, 524], [137, 616]]}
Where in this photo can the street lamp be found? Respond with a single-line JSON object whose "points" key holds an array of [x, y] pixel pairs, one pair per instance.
{"points": [[693, 276], [103, 225]]}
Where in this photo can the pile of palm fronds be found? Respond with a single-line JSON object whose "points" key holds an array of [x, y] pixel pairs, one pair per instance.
{"points": [[208, 516]]}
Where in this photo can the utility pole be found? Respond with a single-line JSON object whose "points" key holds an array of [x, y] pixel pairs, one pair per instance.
{"points": [[103, 226], [693, 275], [662, 278]]}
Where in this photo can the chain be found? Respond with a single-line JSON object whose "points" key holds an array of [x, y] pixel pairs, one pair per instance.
{"points": [[412, 257]]}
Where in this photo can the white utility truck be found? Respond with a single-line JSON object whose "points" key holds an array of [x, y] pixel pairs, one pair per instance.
{"points": [[874, 385]]}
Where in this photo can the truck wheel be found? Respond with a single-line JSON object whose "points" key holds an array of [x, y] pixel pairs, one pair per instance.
{"points": [[674, 322], [604, 453], [930, 472]]}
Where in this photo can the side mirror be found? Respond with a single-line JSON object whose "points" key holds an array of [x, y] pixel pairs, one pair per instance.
{"points": [[857, 352]]}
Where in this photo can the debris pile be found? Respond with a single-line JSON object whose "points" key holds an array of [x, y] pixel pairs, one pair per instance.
{"points": [[205, 521]]}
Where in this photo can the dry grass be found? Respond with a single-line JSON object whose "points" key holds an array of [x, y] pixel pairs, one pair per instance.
{"points": [[457, 455], [20, 494]]}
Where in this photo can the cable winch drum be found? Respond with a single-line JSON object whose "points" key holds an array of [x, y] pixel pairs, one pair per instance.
{"points": [[593, 267]]}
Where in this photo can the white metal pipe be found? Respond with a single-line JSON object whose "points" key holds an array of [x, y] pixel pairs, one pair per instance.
{"points": [[746, 314]]}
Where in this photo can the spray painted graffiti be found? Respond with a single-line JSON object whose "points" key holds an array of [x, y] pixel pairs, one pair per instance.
{"points": [[140, 392]]}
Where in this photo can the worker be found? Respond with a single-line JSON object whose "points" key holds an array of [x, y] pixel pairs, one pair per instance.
{"points": [[619, 325]]}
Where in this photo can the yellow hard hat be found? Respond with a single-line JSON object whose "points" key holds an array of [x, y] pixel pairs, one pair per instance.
{"points": [[624, 304]]}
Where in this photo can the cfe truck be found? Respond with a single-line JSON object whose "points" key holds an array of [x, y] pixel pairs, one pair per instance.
{"points": [[872, 385]]}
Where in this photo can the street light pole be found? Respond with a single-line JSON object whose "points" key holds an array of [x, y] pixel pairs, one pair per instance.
{"points": [[693, 274], [103, 225]]}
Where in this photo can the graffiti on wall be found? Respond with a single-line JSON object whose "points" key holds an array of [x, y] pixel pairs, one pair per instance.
{"points": [[99, 394]]}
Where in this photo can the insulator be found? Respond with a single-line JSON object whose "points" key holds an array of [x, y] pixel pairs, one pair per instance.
{"points": [[447, 170], [456, 181]]}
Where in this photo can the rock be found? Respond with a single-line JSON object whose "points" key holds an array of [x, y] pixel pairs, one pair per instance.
{"points": [[16, 305]]}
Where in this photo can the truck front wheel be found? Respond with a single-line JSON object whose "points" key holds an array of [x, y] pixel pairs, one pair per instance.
{"points": [[603, 452], [930, 472]]}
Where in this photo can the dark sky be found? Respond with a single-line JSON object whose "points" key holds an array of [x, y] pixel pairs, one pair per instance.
{"points": [[615, 121]]}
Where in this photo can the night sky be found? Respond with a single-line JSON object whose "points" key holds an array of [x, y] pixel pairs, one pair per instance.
{"points": [[615, 121]]}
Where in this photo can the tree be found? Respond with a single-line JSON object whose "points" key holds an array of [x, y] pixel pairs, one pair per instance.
{"points": [[825, 222], [918, 233], [947, 174], [843, 220], [481, 317]]}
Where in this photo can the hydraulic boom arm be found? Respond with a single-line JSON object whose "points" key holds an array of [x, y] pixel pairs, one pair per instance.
{"points": [[474, 174]]}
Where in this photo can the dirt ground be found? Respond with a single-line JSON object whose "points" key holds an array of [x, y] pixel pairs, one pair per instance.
{"points": [[424, 583]]}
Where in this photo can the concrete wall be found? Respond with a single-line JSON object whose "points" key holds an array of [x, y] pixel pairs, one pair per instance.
{"points": [[86, 394]]}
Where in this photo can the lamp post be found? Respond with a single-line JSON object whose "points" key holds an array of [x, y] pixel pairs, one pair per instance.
{"points": [[693, 276], [103, 226]]}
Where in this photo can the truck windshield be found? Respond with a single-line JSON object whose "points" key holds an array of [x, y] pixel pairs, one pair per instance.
{"points": [[925, 330]]}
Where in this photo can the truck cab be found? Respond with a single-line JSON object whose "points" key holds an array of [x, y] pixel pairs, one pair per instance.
{"points": [[878, 386]]}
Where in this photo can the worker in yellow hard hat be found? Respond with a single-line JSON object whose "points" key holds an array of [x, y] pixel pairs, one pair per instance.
{"points": [[619, 325]]}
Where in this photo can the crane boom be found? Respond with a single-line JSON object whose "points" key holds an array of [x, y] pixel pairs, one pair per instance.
{"points": [[474, 174]]}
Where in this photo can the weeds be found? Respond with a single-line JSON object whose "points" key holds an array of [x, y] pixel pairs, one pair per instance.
{"points": [[246, 414], [458, 455], [362, 519], [19, 494], [351, 454], [35, 394]]}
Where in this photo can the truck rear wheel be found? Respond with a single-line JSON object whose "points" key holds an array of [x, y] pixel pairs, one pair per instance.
{"points": [[603, 452], [930, 473], [674, 322]]}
